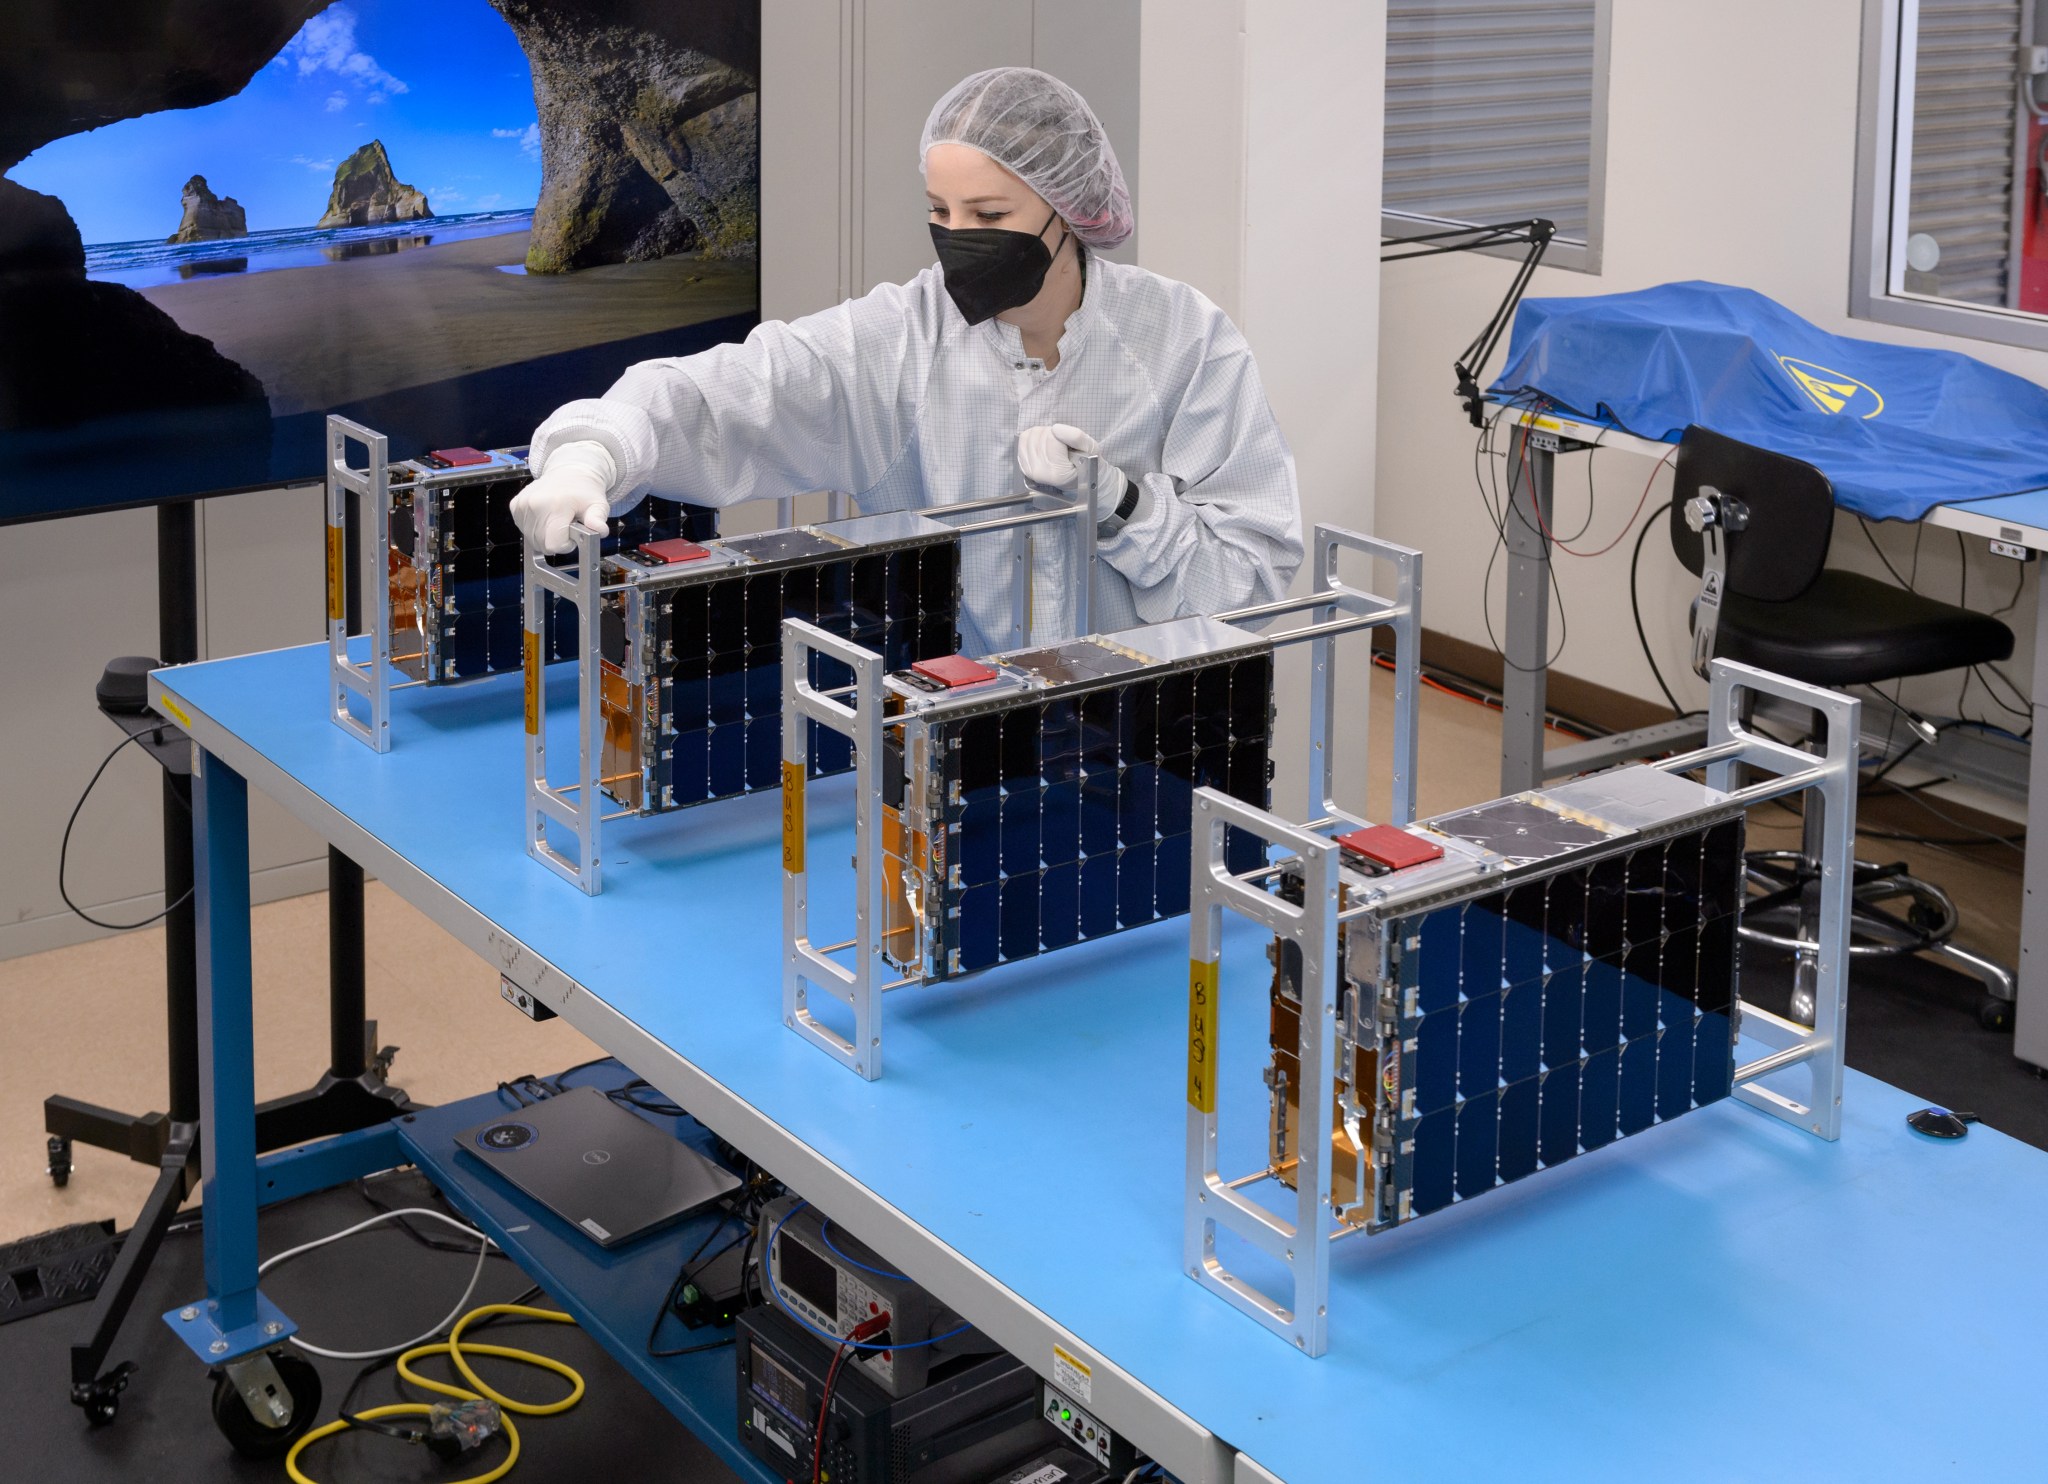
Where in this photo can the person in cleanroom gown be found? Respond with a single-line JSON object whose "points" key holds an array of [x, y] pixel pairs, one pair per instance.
{"points": [[1017, 351]]}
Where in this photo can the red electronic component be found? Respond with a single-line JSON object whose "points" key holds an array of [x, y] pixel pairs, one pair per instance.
{"points": [[953, 669], [662, 553], [1390, 846], [461, 458]]}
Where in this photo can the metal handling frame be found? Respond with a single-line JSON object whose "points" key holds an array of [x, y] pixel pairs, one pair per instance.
{"points": [[579, 807], [1302, 1245], [1335, 608], [371, 485]]}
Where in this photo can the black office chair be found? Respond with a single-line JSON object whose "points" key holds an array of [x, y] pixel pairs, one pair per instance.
{"points": [[1754, 526]]}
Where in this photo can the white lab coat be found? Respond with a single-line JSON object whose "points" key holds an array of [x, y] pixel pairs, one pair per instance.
{"points": [[894, 398]]}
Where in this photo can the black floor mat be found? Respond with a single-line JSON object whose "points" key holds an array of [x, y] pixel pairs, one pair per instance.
{"points": [[372, 1289], [1913, 1023]]}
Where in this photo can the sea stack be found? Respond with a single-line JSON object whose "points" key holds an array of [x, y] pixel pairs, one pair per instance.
{"points": [[366, 193], [207, 216]]}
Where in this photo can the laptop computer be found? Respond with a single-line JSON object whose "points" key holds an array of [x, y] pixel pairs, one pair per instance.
{"points": [[605, 1170]]}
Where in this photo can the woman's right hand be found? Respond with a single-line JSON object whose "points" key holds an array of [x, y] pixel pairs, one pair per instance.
{"points": [[574, 485]]}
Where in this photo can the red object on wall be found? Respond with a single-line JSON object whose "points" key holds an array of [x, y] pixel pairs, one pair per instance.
{"points": [[2033, 264]]}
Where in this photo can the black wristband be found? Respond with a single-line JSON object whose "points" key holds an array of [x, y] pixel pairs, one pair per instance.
{"points": [[1129, 503]]}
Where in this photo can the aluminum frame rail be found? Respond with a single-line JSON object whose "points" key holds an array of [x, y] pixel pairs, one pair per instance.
{"points": [[371, 678], [1302, 1245], [1335, 608]]}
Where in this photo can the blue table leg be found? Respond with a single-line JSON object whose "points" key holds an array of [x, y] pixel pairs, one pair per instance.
{"points": [[235, 1319]]}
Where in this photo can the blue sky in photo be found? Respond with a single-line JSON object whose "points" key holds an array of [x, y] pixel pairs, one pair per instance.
{"points": [[442, 82]]}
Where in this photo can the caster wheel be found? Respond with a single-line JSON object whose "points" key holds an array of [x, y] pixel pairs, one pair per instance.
{"points": [[251, 1438], [102, 1410], [59, 1166], [1994, 1014]]}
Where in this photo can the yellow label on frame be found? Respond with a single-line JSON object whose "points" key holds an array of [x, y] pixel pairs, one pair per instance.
{"points": [[337, 566], [792, 816], [1202, 1035], [532, 683]]}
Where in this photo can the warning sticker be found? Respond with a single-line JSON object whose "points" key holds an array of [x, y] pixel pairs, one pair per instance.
{"points": [[1072, 1375], [1052, 1473]]}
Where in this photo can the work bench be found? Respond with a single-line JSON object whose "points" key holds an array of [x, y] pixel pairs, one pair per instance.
{"points": [[1720, 1296]]}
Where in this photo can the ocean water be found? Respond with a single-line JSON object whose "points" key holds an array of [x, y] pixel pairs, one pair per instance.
{"points": [[142, 265]]}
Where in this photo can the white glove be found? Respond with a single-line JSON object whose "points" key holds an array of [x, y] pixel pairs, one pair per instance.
{"points": [[574, 485], [1047, 455]]}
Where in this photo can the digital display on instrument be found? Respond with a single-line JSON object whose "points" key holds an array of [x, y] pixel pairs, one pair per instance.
{"points": [[810, 1277], [781, 1388]]}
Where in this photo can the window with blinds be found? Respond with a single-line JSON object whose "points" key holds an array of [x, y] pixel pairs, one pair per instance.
{"points": [[1962, 232], [1951, 141], [1496, 111]]}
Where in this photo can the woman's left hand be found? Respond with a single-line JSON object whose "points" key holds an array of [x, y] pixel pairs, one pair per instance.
{"points": [[1050, 454]]}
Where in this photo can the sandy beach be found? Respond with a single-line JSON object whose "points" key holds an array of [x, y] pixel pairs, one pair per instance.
{"points": [[323, 336]]}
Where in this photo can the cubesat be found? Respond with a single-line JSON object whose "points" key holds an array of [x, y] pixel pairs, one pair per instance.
{"points": [[1488, 993], [439, 570], [680, 651], [1013, 805]]}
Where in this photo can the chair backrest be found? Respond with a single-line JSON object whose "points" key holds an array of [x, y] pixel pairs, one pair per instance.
{"points": [[1777, 556]]}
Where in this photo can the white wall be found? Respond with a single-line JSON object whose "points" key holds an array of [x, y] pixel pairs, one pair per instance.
{"points": [[1261, 156], [75, 593], [1731, 145]]}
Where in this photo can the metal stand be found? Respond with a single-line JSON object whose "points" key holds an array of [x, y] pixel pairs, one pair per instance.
{"points": [[1301, 1244], [577, 807], [1333, 607], [353, 1093], [1532, 476], [370, 487]]}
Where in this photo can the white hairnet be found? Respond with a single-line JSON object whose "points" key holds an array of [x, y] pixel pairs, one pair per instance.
{"points": [[1045, 134]]}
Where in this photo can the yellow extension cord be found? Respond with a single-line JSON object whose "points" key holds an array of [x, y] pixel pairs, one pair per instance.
{"points": [[457, 1353]]}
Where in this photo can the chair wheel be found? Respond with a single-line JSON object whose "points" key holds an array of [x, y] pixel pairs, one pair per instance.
{"points": [[251, 1438], [1994, 1014], [59, 1167]]}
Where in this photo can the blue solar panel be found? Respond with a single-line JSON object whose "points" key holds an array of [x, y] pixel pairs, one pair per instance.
{"points": [[712, 652], [1552, 1018], [465, 589], [1068, 814], [1524, 1024]]}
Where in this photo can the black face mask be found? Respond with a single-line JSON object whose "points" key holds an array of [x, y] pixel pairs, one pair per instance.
{"points": [[989, 270]]}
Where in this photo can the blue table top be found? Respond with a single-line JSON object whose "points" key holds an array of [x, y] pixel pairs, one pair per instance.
{"points": [[1717, 1296]]}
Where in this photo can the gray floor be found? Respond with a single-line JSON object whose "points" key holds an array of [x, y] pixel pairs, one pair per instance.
{"points": [[373, 1289]]}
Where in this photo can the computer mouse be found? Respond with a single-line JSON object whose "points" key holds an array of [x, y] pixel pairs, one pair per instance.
{"points": [[1939, 1123]]}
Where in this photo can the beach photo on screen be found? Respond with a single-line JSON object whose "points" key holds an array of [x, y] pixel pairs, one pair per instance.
{"points": [[220, 222]]}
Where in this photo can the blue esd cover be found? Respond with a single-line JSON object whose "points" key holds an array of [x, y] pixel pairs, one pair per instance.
{"points": [[1898, 429]]}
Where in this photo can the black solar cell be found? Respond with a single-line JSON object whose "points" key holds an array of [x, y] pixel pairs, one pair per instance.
{"points": [[1552, 1018]]}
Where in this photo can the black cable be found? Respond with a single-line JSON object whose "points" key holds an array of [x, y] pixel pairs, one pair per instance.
{"points": [[2024, 711], [685, 1274], [1635, 608], [629, 1096], [1498, 507], [64, 850], [431, 1243], [2018, 586]]}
